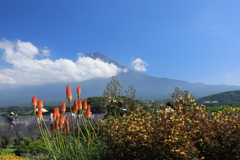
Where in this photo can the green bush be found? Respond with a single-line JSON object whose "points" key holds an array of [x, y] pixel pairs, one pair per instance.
{"points": [[37, 146], [30, 146]]}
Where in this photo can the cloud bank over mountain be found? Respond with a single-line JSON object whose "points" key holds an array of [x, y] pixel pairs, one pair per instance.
{"points": [[30, 65]]}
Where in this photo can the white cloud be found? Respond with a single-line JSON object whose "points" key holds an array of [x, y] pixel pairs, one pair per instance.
{"points": [[46, 52], [139, 65], [125, 70], [28, 70], [80, 54]]}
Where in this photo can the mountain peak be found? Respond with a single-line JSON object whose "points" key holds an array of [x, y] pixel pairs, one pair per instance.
{"points": [[104, 58]]}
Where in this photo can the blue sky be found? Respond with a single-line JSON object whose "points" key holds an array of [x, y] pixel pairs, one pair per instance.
{"points": [[43, 41]]}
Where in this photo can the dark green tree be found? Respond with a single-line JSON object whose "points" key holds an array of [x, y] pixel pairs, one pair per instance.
{"points": [[113, 97], [15, 109], [129, 101], [96, 103]]}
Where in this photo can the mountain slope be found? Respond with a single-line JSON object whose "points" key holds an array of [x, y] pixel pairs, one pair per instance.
{"points": [[223, 98], [147, 87], [104, 58]]}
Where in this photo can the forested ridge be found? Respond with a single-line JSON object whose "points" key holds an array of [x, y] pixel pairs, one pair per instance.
{"points": [[230, 98]]}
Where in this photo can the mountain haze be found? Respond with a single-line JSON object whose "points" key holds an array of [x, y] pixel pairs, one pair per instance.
{"points": [[147, 86]]}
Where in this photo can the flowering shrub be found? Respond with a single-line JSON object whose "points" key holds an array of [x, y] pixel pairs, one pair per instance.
{"points": [[5, 156], [142, 135], [187, 132]]}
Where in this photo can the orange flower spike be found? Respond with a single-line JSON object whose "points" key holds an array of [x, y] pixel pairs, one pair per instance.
{"points": [[74, 111], [80, 105], [85, 104], [63, 107], [51, 127], [62, 118], [75, 107], [40, 106], [88, 108], [34, 103], [39, 113], [88, 113], [68, 93], [79, 91], [55, 113], [40, 103]]}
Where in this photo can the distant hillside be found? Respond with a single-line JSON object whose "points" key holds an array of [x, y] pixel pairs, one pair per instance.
{"points": [[225, 98]]}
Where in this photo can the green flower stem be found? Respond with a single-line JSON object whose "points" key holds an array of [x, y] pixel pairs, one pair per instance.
{"points": [[45, 138]]}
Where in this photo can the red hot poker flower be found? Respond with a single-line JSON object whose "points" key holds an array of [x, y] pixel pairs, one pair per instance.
{"points": [[61, 118], [39, 113], [34, 103], [88, 113], [75, 106], [80, 105], [63, 107], [40, 103], [78, 91], [61, 121], [55, 113], [68, 93], [40, 106]]}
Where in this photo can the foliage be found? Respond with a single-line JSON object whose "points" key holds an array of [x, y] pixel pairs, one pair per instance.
{"points": [[14, 136], [96, 103], [116, 104], [6, 140], [31, 146], [229, 98], [129, 99], [113, 89], [113, 97], [15, 109], [220, 108], [179, 94], [187, 132], [147, 131]]}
